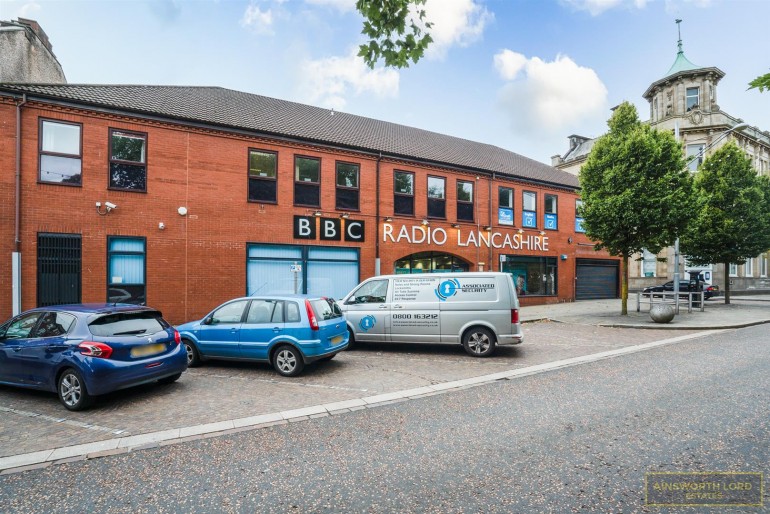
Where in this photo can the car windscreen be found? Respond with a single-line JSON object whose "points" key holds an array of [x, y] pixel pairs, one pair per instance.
{"points": [[325, 308], [127, 324]]}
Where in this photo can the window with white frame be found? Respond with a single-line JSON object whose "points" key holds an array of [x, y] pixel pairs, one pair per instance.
{"points": [[748, 268], [649, 263], [733, 270], [692, 98], [694, 156], [763, 266]]}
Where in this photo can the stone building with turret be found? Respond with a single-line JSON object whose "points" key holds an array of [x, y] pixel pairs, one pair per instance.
{"points": [[685, 101], [26, 54]]}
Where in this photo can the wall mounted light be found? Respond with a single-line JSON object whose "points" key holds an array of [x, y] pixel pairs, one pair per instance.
{"points": [[425, 223], [182, 211], [344, 215], [542, 232], [488, 228], [388, 219], [317, 214], [108, 207], [455, 225], [520, 231], [569, 240]]}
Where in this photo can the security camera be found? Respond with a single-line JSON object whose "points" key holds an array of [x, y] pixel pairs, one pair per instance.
{"points": [[110, 206]]}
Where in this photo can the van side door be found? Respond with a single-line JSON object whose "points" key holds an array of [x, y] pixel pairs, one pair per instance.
{"points": [[368, 311], [414, 309]]}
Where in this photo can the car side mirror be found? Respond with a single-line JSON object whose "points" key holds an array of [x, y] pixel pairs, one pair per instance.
{"points": [[208, 320]]}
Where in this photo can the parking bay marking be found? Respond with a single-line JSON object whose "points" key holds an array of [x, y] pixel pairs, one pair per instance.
{"points": [[65, 421]]}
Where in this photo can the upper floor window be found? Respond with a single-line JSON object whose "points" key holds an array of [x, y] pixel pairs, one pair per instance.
{"points": [[529, 209], [692, 100], [403, 193], [307, 181], [551, 216], [128, 160], [464, 200], [126, 270], [694, 156], [436, 197], [579, 217], [263, 176], [61, 152], [505, 206], [347, 186]]}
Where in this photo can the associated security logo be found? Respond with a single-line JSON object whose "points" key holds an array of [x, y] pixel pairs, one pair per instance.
{"points": [[447, 289], [367, 323]]}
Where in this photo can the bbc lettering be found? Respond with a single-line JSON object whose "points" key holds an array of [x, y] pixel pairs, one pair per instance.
{"points": [[328, 229]]}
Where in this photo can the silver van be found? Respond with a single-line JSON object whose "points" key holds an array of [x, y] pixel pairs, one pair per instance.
{"points": [[479, 310]]}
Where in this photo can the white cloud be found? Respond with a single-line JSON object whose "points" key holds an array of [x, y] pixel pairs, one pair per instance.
{"points": [[29, 9], [596, 7], [261, 21], [455, 23], [550, 96], [341, 5], [327, 82]]}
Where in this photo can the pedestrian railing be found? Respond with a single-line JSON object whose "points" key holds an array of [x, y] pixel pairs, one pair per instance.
{"points": [[691, 298]]}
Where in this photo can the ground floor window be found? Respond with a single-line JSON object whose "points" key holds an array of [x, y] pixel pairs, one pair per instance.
{"points": [[532, 275], [430, 262], [126, 279], [316, 270]]}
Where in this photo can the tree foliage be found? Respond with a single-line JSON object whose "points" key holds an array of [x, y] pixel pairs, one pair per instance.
{"points": [[732, 220], [636, 191], [762, 83], [394, 31]]}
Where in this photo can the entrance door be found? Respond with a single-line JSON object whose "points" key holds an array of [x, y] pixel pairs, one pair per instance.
{"points": [[596, 279], [58, 269]]}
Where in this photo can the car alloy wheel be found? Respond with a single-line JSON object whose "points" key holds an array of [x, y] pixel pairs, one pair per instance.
{"points": [[193, 358], [72, 390], [288, 361]]}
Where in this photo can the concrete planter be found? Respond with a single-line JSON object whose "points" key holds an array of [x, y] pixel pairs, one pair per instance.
{"points": [[662, 313]]}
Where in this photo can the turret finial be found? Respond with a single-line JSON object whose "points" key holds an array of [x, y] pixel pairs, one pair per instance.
{"points": [[679, 30]]}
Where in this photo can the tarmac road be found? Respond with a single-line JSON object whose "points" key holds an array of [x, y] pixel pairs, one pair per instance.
{"points": [[578, 439]]}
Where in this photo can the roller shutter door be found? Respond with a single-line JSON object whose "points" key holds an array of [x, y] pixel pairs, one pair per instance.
{"points": [[596, 279]]}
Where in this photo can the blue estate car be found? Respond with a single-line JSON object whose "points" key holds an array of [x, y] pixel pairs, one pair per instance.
{"points": [[287, 331], [84, 350]]}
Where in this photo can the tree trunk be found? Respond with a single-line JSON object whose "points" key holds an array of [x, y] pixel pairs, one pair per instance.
{"points": [[624, 285], [727, 283]]}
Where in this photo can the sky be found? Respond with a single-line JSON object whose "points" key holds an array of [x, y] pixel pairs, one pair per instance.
{"points": [[519, 74]]}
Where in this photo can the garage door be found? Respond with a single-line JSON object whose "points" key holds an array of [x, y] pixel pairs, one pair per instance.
{"points": [[596, 279]]}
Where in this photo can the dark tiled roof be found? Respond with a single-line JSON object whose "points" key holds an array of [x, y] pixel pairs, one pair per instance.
{"points": [[245, 111]]}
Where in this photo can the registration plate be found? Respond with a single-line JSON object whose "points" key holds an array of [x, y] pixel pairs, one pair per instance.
{"points": [[146, 350], [336, 339]]}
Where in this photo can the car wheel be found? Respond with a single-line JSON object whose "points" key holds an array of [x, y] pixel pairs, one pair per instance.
{"points": [[193, 357], [351, 340], [170, 380], [479, 342], [287, 361], [72, 390]]}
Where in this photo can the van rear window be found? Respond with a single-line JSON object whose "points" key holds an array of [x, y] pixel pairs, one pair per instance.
{"points": [[128, 323]]}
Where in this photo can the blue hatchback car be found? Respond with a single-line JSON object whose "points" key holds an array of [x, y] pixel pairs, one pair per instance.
{"points": [[287, 331], [84, 350]]}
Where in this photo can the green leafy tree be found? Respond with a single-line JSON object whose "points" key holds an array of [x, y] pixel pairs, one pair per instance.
{"points": [[732, 220], [393, 31], [636, 191], [762, 83]]}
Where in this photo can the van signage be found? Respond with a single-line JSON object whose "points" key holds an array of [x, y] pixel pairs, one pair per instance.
{"points": [[418, 234], [329, 229]]}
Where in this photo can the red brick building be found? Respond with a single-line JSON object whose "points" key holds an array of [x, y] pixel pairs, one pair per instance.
{"points": [[183, 197]]}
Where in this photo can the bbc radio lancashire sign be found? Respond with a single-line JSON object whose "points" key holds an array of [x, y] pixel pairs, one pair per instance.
{"points": [[418, 234], [329, 229]]}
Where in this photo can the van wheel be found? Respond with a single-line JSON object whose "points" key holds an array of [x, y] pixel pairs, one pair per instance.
{"points": [[479, 342], [351, 340]]}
